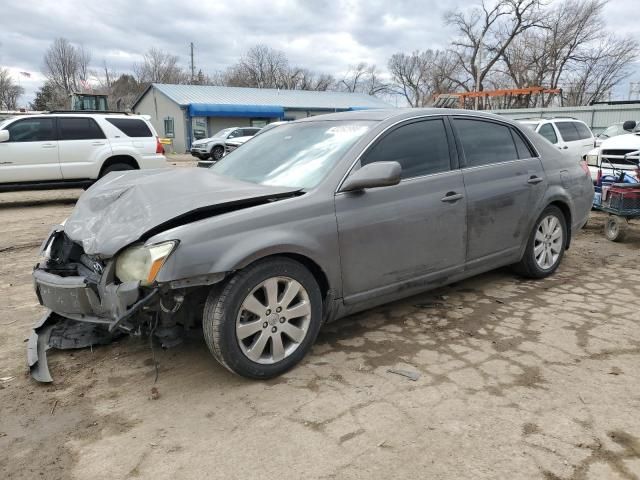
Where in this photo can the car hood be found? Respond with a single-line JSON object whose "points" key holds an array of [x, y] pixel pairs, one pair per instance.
{"points": [[626, 141], [238, 140], [204, 141], [125, 207]]}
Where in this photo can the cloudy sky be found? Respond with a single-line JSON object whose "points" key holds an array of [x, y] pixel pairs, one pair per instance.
{"points": [[322, 35]]}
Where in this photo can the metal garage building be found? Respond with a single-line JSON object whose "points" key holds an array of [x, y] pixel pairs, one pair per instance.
{"points": [[189, 112]]}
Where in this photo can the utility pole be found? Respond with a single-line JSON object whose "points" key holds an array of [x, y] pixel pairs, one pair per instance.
{"points": [[193, 68]]}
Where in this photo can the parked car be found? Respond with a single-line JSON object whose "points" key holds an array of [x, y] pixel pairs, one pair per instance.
{"points": [[621, 128], [213, 147], [231, 145], [567, 134], [74, 149], [616, 155], [305, 224]]}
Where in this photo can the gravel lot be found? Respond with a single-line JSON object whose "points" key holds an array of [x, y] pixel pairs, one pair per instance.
{"points": [[517, 380]]}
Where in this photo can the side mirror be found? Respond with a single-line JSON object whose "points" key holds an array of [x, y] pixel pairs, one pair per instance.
{"points": [[4, 135], [378, 174], [629, 125]]}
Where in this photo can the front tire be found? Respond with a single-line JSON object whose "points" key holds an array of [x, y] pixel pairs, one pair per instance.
{"points": [[546, 245], [217, 152], [264, 320]]}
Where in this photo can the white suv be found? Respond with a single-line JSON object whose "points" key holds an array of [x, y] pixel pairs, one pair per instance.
{"points": [[63, 149], [568, 134]]}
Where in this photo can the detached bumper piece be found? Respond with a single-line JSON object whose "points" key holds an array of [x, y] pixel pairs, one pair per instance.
{"points": [[56, 331]]}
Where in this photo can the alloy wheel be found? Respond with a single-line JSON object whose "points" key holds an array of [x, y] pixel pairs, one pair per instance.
{"points": [[273, 320], [548, 242]]}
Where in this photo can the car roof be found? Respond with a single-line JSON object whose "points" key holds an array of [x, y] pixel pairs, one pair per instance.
{"points": [[78, 114], [399, 114]]}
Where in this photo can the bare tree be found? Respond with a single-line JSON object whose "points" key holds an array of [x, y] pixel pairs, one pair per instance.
{"points": [[261, 67], [265, 67], [489, 30], [421, 75], [363, 78], [305, 79], [66, 66], [599, 69], [541, 55], [158, 66], [10, 92], [571, 50]]}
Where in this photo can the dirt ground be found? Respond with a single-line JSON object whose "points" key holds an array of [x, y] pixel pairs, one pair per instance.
{"points": [[517, 380]]}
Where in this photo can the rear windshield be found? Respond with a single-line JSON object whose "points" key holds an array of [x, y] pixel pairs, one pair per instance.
{"points": [[131, 127]]}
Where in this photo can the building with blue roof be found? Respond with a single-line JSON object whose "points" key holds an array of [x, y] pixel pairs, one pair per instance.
{"points": [[188, 112]]}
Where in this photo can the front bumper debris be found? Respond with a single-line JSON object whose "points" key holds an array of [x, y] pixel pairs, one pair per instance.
{"points": [[37, 347], [56, 331]]}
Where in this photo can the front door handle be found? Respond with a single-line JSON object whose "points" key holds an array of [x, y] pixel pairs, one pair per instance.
{"points": [[533, 179], [563, 148], [49, 145], [452, 197]]}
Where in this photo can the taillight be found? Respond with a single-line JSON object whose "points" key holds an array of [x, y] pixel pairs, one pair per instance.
{"points": [[159, 147], [585, 167]]}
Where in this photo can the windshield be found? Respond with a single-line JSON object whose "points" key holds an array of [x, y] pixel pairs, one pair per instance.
{"points": [[298, 155], [223, 133]]}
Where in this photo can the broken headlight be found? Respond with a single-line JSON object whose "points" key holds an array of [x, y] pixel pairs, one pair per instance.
{"points": [[143, 262]]}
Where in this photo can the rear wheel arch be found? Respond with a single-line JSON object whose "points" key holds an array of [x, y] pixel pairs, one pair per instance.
{"points": [[566, 211], [116, 159]]}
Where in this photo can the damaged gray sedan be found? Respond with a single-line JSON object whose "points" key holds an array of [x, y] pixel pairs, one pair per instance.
{"points": [[305, 224]]}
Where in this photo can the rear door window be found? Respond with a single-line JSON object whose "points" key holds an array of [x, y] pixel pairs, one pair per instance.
{"points": [[32, 130], [523, 148], [421, 148], [78, 129], [548, 132], [485, 142], [131, 127], [568, 131]]}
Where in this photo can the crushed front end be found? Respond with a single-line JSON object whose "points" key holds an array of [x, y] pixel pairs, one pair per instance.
{"points": [[89, 304]]}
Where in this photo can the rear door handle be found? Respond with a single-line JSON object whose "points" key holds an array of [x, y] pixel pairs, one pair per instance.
{"points": [[534, 180], [97, 144], [452, 197], [48, 145], [563, 148]]}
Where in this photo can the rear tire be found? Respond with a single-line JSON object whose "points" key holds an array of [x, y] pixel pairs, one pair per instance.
{"points": [[283, 328], [546, 245], [116, 167]]}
